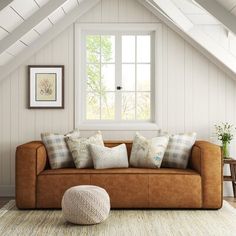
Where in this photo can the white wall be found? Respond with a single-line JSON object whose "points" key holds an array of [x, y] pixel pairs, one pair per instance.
{"points": [[195, 93]]}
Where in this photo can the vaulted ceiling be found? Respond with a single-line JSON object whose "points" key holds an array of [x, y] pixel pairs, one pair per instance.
{"points": [[205, 24], [19, 27], [26, 26]]}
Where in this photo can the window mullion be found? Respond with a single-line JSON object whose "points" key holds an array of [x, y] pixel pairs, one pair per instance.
{"points": [[135, 96], [100, 97], [152, 82], [118, 66], [84, 74]]}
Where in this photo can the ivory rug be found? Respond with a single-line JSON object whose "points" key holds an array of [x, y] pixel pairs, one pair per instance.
{"points": [[121, 223]]}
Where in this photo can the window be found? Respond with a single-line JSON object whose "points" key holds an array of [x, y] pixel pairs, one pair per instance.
{"points": [[118, 77], [116, 70], [100, 77]]}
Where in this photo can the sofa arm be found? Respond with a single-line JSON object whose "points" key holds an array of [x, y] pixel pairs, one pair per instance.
{"points": [[31, 159], [206, 159]]}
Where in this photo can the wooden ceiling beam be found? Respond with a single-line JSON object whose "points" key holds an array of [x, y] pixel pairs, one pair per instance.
{"points": [[220, 13], [198, 39], [4, 3], [59, 27], [29, 24]]}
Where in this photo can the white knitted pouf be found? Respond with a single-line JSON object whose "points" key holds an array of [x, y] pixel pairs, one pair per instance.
{"points": [[86, 204]]}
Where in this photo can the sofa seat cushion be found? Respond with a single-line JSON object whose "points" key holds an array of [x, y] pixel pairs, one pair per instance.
{"points": [[72, 171], [142, 188]]}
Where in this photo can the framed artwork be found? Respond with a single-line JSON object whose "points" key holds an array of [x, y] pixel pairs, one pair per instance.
{"points": [[46, 87]]}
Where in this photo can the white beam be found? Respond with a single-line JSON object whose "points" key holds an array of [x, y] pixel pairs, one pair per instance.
{"points": [[174, 13], [228, 69], [214, 48], [47, 37], [4, 3], [30, 23], [220, 13]]}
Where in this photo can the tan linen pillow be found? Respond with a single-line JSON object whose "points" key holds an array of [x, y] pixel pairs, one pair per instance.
{"points": [[79, 148], [58, 153], [105, 158]]}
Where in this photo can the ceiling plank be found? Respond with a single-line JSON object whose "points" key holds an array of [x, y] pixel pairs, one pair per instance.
{"points": [[189, 37], [220, 13], [30, 23], [47, 37], [174, 13], [4, 3]]}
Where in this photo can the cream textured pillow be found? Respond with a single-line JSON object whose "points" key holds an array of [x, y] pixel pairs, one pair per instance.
{"points": [[79, 148], [58, 153], [104, 157], [148, 152]]}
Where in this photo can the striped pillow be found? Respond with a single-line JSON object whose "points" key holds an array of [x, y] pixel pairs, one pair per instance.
{"points": [[178, 150], [58, 153]]}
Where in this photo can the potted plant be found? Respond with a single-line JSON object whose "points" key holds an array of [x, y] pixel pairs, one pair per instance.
{"points": [[225, 133]]}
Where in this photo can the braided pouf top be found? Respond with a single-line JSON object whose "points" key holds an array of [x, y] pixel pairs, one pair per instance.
{"points": [[86, 204]]}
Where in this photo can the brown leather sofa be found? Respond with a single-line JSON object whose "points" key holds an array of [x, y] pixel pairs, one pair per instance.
{"points": [[198, 186]]}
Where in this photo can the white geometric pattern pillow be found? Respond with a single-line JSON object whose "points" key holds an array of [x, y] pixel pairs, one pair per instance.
{"points": [[58, 153], [79, 148], [104, 157], [178, 150], [148, 152]]}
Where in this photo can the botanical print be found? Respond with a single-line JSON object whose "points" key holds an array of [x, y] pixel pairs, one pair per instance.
{"points": [[45, 86]]}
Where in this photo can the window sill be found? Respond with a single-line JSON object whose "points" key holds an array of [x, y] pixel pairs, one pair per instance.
{"points": [[120, 126]]}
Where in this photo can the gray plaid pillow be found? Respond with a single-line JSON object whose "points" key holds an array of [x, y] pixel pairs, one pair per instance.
{"points": [[58, 153], [178, 150]]}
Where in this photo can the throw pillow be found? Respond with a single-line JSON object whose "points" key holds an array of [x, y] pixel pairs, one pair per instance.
{"points": [[148, 152], [58, 153], [178, 150], [79, 148], [104, 157]]}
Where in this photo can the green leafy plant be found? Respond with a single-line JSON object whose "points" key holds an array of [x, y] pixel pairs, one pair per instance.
{"points": [[225, 132]]}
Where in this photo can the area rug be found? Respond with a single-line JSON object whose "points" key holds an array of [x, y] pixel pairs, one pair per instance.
{"points": [[121, 222]]}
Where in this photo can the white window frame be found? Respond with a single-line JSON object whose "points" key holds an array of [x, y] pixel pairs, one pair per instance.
{"points": [[156, 74]]}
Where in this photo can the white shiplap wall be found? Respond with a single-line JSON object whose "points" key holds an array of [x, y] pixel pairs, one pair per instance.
{"points": [[195, 93]]}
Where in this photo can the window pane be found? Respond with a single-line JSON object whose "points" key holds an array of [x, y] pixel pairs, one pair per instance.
{"points": [[93, 78], [128, 48], [93, 107], [93, 48], [143, 106], [128, 106], [143, 77], [128, 77], [108, 77], [143, 48], [108, 106], [108, 48]]}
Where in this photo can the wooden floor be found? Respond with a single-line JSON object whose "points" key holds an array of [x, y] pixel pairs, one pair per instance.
{"points": [[231, 201], [4, 200]]}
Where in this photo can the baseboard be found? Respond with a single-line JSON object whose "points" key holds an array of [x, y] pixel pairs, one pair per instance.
{"points": [[7, 190]]}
